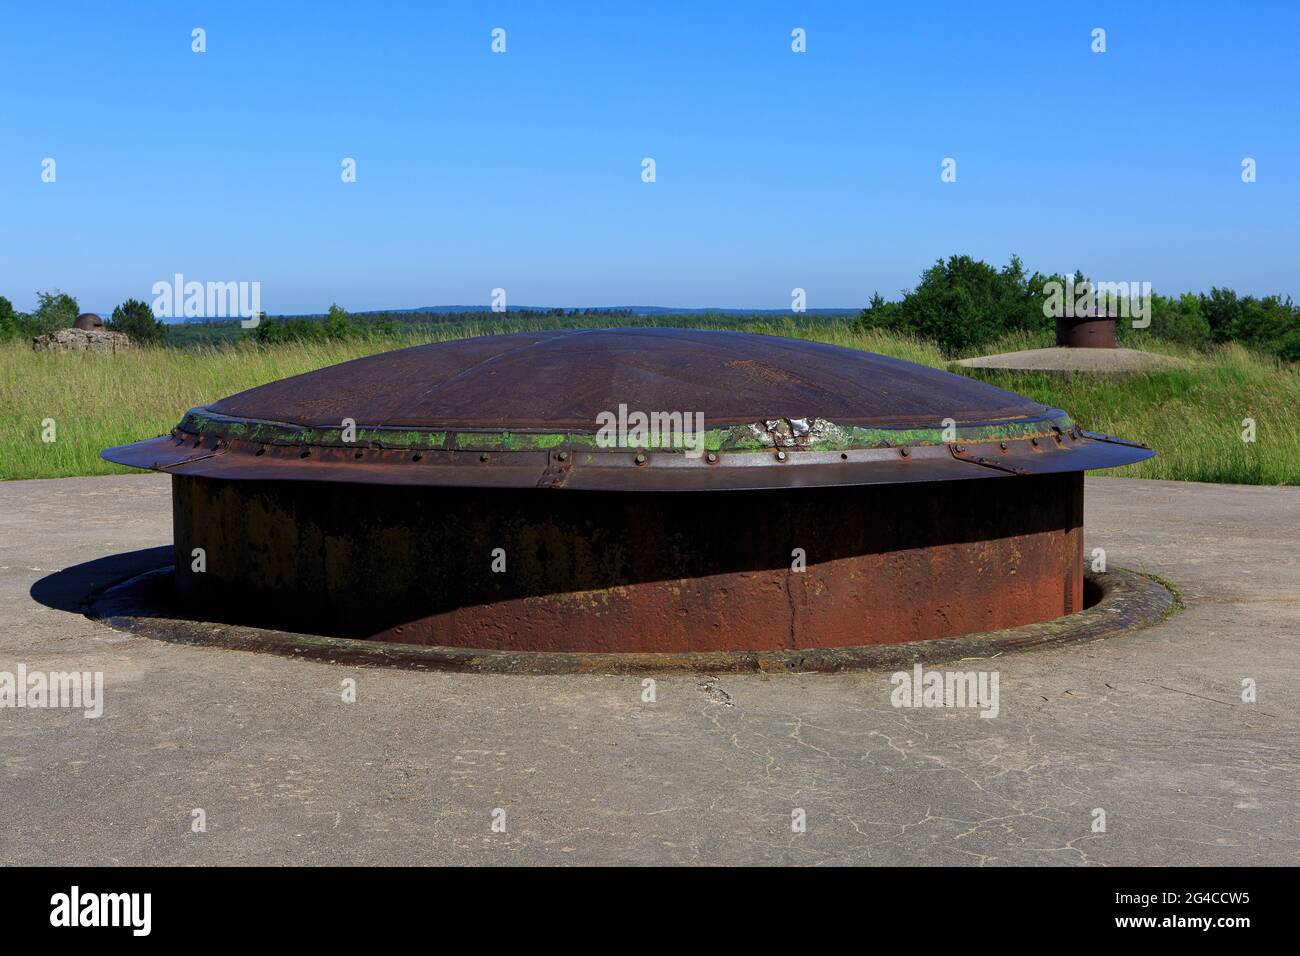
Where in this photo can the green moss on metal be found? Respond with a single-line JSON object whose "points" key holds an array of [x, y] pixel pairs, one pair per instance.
{"points": [[822, 436]]}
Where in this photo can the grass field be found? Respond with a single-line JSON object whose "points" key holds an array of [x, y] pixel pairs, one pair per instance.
{"points": [[1191, 417]]}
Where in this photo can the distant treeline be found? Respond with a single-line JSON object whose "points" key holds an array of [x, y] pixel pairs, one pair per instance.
{"points": [[338, 324], [961, 304], [57, 310]]}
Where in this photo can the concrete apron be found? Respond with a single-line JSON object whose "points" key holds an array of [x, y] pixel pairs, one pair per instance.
{"points": [[1150, 728]]}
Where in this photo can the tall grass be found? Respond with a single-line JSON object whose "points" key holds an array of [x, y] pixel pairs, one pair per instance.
{"points": [[1192, 416], [96, 400]]}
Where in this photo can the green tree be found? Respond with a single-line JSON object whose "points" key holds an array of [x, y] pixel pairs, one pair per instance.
{"points": [[137, 320], [963, 302], [1220, 308], [1264, 323], [337, 324], [54, 310], [8, 320], [271, 331], [1177, 320], [880, 314], [1288, 347]]}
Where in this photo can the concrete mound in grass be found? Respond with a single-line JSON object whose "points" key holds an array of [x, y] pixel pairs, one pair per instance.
{"points": [[1121, 361]]}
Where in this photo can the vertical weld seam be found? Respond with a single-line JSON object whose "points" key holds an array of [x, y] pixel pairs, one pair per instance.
{"points": [[792, 639]]}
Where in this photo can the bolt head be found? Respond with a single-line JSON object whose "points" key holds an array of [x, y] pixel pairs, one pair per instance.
{"points": [[780, 456]]}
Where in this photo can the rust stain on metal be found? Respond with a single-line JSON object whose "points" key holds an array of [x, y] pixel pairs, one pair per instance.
{"points": [[609, 572], [1123, 602], [1085, 332]]}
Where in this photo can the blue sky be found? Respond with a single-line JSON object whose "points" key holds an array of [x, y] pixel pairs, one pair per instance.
{"points": [[523, 170]]}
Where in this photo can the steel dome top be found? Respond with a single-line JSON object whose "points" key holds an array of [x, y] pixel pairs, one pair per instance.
{"points": [[526, 410]]}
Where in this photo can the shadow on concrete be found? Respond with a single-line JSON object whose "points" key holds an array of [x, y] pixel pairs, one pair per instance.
{"points": [[72, 589]]}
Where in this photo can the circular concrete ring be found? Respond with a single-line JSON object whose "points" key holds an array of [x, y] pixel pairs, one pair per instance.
{"points": [[1123, 601]]}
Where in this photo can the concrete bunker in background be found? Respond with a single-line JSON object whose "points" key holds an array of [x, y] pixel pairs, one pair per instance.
{"points": [[87, 333], [464, 495], [1085, 332]]}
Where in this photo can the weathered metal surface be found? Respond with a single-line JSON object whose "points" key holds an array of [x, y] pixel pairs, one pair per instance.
{"points": [[1121, 602], [611, 572], [564, 379], [371, 499], [1085, 332], [87, 321], [500, 411], [1054, 450]]}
